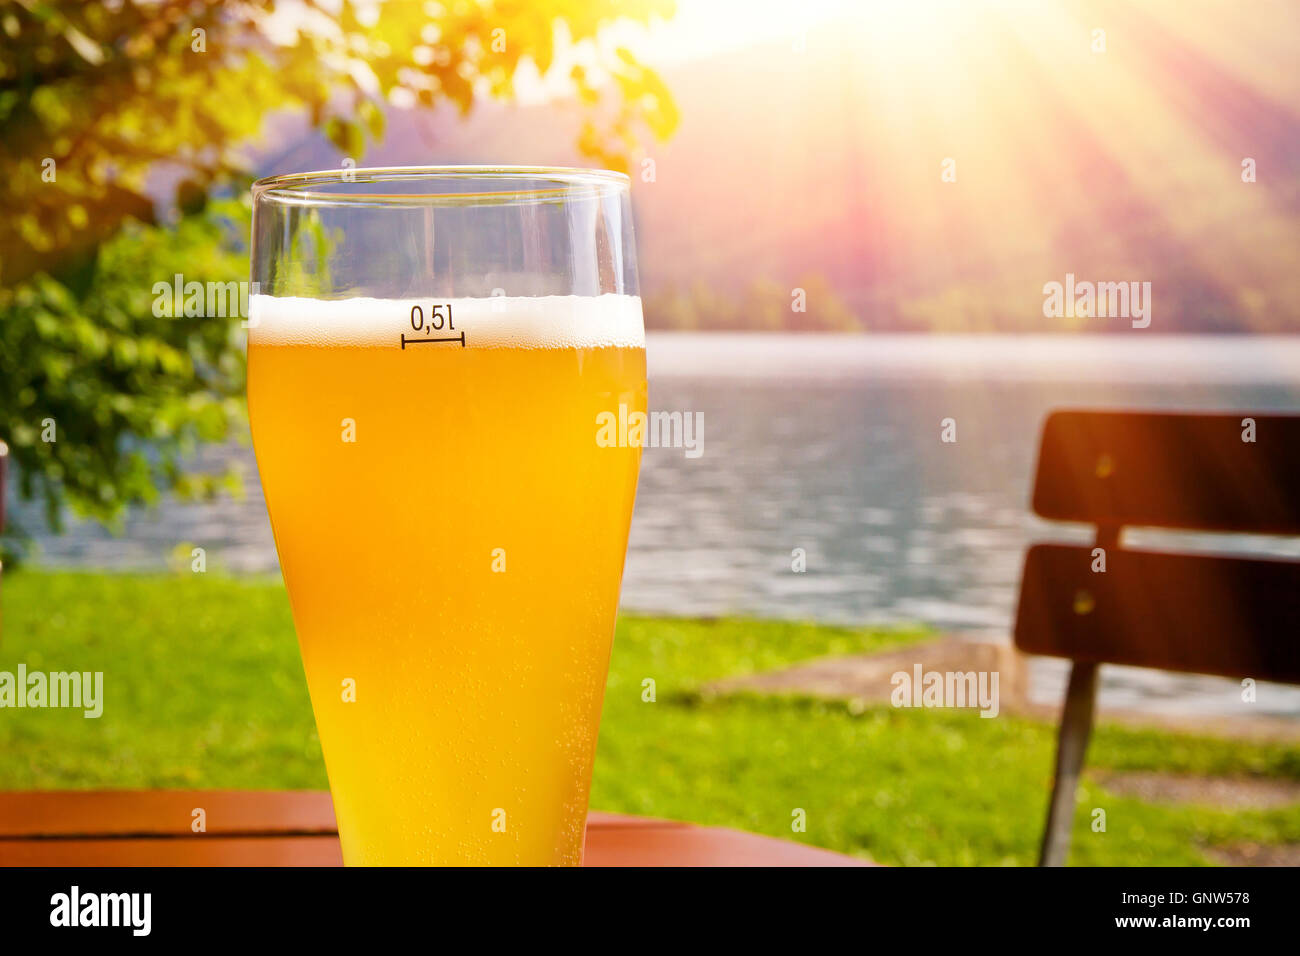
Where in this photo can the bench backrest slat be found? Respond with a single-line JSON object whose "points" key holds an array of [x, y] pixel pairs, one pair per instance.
{"points": [[1171, 470], [1235, 617]]}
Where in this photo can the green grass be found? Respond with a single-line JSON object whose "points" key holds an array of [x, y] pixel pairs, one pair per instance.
{"points": [[204, 688]]}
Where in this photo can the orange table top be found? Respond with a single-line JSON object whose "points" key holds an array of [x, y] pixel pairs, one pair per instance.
{"points": [[296, 828]]}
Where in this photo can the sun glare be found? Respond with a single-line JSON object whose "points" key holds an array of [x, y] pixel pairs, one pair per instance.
{"points": [[706, 27]]}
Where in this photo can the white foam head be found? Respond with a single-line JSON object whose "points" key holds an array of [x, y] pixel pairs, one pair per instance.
{"points": [[537, 322]]}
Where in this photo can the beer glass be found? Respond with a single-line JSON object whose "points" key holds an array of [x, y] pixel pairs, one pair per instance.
{"points": [[430, 352]]}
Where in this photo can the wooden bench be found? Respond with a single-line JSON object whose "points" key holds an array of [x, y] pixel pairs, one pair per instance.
{"points": [[296, 828], [1228, 616]]}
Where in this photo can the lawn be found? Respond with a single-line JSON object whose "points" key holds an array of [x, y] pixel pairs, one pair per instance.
{"points": [[203, 688]]}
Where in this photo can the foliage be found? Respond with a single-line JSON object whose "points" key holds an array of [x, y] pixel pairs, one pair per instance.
{"points": [[105, 91], [100, 399], [101, 102]]}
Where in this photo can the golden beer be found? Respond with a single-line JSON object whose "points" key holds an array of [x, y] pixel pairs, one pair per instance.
{"points": [[452, 536]]}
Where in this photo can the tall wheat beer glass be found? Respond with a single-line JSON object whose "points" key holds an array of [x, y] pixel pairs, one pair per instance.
{"points": [[428, 355]]}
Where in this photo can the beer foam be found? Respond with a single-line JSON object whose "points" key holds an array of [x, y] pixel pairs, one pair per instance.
{"points": [[530, 322]]}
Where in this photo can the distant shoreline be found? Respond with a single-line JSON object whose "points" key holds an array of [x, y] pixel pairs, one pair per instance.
{"points": [[1123, 358]]}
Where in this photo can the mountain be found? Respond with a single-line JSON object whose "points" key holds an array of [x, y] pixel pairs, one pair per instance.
{"points": [[827, 160]]}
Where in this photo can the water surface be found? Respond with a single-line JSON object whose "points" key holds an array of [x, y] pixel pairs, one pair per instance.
{"points": [[832, 445]]}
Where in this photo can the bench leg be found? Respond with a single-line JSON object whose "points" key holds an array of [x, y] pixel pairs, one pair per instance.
{"points": [[1076, 728]]}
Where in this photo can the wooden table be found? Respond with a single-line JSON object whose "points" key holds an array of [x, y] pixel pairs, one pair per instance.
{"points": [[296, 828]]}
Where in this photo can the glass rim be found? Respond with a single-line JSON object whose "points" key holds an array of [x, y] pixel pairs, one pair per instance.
{"points": [[563, 182]]}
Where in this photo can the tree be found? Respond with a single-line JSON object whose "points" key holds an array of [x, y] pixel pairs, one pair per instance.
{"points": [[96, 97], [824, 310], [763, 306]]}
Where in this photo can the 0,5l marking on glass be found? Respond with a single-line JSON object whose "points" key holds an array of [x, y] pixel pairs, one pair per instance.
{"points": [[436, 322]]}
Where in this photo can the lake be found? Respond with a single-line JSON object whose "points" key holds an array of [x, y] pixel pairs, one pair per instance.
{"points": [[831, 444]]}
